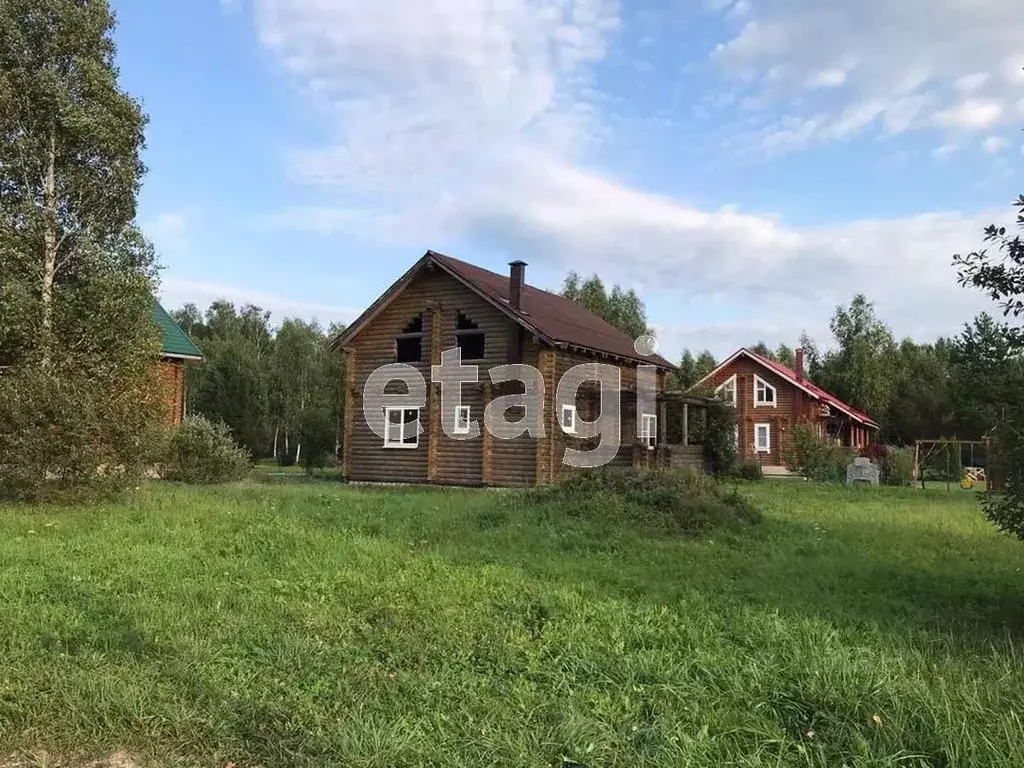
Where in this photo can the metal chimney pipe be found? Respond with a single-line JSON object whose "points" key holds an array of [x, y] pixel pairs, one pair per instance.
{"points": [[516, 279]]}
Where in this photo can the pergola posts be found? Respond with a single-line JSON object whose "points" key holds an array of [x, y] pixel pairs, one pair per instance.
{"points": [[662, 423], [686, 423]]}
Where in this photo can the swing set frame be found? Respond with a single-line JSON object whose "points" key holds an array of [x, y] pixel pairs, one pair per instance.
{"points": [[926, 449]]}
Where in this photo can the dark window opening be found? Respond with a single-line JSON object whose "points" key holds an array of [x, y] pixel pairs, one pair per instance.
{"points": [[409, 350], [469, 338], [409, 343]]}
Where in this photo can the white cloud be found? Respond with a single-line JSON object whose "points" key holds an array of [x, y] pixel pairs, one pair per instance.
{"points": [[971, 82], [740, 9], [944, 151], [565, 217], [972, 114], [879, 66], [827, 78], [418, 93], [174, 292], [994, 144]]}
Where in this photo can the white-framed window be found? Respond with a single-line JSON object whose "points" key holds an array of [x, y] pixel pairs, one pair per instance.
{"points": [[763, 438], [764, 393], [727, 390], [461, 425], [649, 430], [401, 427], [569, 419]]}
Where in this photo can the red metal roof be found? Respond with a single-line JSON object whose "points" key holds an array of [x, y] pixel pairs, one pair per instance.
{"points": [[559, 319], [810, 387]]}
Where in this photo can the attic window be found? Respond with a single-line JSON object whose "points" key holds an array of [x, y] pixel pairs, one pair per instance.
{"points": [[764, 393], [469, 338], [409, 343], [727, 391]]}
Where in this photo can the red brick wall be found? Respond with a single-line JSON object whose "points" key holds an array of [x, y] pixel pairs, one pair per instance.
{"points": [[173, 373]]}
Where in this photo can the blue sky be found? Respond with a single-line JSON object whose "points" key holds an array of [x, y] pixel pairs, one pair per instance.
{"points": [[745, 164]]}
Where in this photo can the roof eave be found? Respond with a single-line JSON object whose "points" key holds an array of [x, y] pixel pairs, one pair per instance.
{"points": [[665, 366]]}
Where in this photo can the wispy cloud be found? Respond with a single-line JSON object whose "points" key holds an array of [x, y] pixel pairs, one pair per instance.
{"points": [[877, 66], [994, 144], [416, 95]]}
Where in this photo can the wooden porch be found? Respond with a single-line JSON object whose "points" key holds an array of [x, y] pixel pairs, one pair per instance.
{"points": [[681, 423]]}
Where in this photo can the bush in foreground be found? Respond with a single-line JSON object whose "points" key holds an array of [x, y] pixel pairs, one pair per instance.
{"points": [[1004, 507], [719, 439], [897, 467], [817, 457], [67, 436], [317, 435], [202, 452], [749, 470], [672, 501]]}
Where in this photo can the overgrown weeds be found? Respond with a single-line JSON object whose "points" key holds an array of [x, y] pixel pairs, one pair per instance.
{"points": [[667, 501]]}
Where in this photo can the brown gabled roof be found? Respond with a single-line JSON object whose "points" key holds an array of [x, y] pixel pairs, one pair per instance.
{"points": [[555, 319]]}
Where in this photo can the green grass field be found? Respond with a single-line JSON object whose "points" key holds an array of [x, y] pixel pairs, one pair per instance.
{"points": [[315, 624]]}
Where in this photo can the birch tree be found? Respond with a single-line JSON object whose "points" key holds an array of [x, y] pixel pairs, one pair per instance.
{"points": [[70, 170], [76, 275]]}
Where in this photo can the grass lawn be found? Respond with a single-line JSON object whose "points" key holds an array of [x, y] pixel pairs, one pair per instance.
{"points": [[314, 624]]}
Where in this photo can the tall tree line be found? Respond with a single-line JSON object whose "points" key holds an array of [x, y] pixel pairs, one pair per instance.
{"points": [[280, 390], [952, 387], [623, 309]]}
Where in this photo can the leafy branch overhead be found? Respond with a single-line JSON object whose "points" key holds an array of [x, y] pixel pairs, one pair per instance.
{"points": [[999, 275], [998, 348]]}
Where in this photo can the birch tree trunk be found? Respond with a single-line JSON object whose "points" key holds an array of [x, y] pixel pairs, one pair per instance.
{"points": [[50, 245], [302, 408], [277, 429]]}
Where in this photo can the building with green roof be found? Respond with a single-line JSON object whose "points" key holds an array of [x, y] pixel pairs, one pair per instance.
{"points": [[176, 350], [175, 343]]}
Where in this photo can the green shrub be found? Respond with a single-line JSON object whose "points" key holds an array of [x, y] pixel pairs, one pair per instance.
{"points": [[671, 501], [719, 439], [897, 467], [316, 436], [65, 435], [1004, 507], [749, 470], [201, 452], [817, 457]]}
